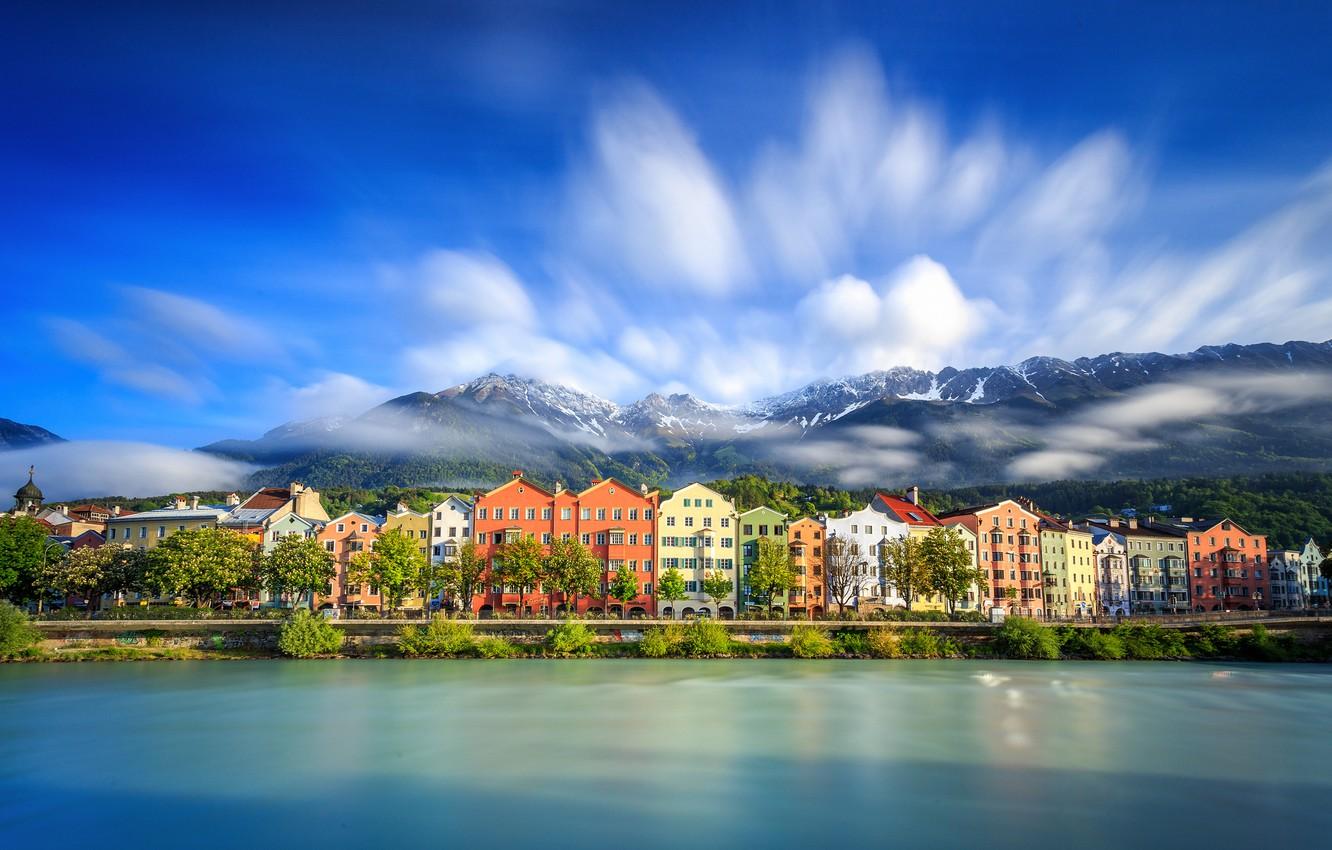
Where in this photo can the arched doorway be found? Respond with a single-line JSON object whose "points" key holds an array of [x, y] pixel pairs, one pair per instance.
{"points": [[726, 612], [595, 611], [778, 614], [815, 612], [486, 612], [704, 613], [637, 613], [687, 613], [668, 612], [616, 611]]}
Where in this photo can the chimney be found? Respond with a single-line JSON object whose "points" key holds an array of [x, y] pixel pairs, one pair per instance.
{"points": [[517, 473], [596, 481], [115, 510], [1186, 519], [294, 487], [914, 495], [559, 488], [194, 503], [642, 488], [1133, 522], [180, 503], [402, 507], [1113, 522]]}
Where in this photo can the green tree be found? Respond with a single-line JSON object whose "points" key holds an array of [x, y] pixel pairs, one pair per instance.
{"points": [[718, 586], [950, 566], [430, 581], [81, 572], [298, 565], [773, 571], [572, 571], [125, 571], [22, 556], [1325, 569], [624, 586], [307, 635], [16, 631], [671, 586], [391, 565], [1011, 594], [520, 564], [905, 568], [463, 574], [200, 564]]}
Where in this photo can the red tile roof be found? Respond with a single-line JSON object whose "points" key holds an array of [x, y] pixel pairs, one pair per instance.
{"points": [[267, 498], [907, 511]]}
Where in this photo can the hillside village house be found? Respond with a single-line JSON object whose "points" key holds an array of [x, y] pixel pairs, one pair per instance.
{"points": [[415, 527], [1155, 558], [919, 523], [1112, 579], [147, 529], [1315, 586], [754, 525], [615, 521], [1285, 571], [697, 531]]}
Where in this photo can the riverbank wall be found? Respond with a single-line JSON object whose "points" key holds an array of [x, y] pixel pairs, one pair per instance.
{"points": [[363, 636]]}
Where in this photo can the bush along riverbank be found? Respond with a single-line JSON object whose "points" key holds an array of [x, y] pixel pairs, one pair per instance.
{"points": [[307, 636]]}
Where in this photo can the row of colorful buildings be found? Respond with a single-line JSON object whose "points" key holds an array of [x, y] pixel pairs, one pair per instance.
{"points": [[1034, 564]]}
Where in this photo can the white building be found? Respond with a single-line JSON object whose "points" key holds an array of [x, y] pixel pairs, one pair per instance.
{"points": [[1112, 576], [1315, 586], [1285, 574], [870, 527], [450, 527]]}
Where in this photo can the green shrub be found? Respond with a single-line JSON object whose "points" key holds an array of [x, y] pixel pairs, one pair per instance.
{"points": [[923, 643], [810, 642], [1150, 641], [662, 642], [1095, 643], [852, 642], [885, 643], [969, 616], [707, 639], [16, 631], [571, 638], [1212, 641], [1261, 645], [495, 647], [308, 636], [1021, 637], [440, 638]]}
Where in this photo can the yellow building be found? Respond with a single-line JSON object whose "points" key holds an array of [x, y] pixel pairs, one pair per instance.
{"points": [[416, 527], [1068, 566], [696, 533], [145, 530]]}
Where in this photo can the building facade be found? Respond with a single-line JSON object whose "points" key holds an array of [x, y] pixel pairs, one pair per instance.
{"points": [[697, 532], [1008, 535], [1285, 572], [1227, 566], [870, 527], [344, 537], [754, 525], [147, 529], [806, 536], [614, 521], [450, 527]]}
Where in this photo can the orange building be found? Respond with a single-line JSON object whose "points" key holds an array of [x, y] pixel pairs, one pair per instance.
{"points": [[616, 522], [344, 537], [1008, 537], [805, 537], [1227, 566]]}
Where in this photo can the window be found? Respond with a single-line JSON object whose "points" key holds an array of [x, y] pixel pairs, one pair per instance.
{"points": [[749, 529], [617, 514], [481, 513], [566, 514], [585, 513], [143, 532], [161, 531], [647, 588], [689, 522], [545, 513], [513, 514], [670, 521], [545, 537], [691, 587], [647, 539], [328, 545], [647, 568], [726, 522], [601, 538], [587, 539], [617, 538], [687, 502]]}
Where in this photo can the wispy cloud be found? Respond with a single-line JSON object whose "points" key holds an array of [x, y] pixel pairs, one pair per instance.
{"points": [[94, 468], [1132, 423]]}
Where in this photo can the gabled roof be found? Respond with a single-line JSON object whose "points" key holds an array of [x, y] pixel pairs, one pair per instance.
{"points": [[268, 497], [527, 482], [629, 488], [906, 510], [374, 520]]}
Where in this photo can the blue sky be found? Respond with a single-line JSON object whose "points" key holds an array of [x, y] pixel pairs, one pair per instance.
{"points": [[222, 216]]}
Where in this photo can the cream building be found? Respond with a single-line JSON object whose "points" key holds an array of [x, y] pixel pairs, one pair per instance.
{"points": [[696, 533]]}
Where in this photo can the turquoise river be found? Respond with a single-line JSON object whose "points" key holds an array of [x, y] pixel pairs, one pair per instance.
{"points": [[664, 754]]}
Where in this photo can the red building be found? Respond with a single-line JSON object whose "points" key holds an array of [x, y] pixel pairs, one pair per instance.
{"points": [[1009, 539], [1228, 568], [616, 522]]}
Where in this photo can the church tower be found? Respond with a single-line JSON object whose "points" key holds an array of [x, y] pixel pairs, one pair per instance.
{"points": [[28, 499]]}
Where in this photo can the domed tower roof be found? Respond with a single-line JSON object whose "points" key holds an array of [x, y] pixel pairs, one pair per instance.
{"points": [[29, 491]]}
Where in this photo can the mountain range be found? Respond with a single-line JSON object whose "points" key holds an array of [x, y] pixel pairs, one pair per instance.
{"points": [[951, 427], [16, 435]]}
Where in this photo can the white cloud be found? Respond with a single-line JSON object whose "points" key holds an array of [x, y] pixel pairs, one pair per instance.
{"points": [[334, 394], [860, 456], [917, 317], [651, 204], [93, 468], [468, 289], [1128, 423], [201, 328], [116, 365]]}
